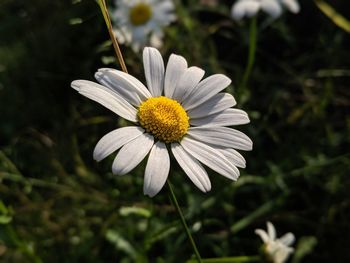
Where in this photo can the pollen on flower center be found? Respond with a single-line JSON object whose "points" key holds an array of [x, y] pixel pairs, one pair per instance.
{"points": [[140, 14], [164, 118]]}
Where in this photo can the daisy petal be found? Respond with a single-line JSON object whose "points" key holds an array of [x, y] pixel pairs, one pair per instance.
{"points": [[154, 70], [139, 36], [175, 68], [234, 157], [238, 11], [188, 81], [291, 5], [132, 153], [271, 230], [226, 117], [157, 169], [124, 84], [206, 89], [222, 137], [287, 239], [165, 6], [163, 12], [252, 7], [191, 167], [155, 39], [114, 140], [272, 7], [211, 157], [218, 103], [106, 97], [263, 235], [246, 7]]}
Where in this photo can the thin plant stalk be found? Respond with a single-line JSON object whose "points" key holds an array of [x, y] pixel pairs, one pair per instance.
{"points": [[251, 53], [104, 10], [183, 221]]}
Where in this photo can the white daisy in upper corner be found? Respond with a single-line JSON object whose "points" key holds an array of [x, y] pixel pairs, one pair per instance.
{"points": [[273, 8], [276, 249], [178, 110], [141, 22], [292, 5]]}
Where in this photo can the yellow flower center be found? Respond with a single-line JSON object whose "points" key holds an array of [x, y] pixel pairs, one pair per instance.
{"points": [[164, 118], [140, 14]]}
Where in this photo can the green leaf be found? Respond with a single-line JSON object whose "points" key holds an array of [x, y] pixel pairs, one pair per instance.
{"points": [[4, 219], [75, 21], [262, 210], [120, 243], [304, 247], [3, 208], [132, 210], [332, 14]]}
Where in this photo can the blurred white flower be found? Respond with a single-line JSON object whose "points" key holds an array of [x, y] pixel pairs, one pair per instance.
{"points": [[276, 249], [291, 5], [274, 8], [140, 22], [178, 111]]}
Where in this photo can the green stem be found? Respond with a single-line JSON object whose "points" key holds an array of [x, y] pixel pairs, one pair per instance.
{"points": [[107, 19], [251, 54], [183, 221]]}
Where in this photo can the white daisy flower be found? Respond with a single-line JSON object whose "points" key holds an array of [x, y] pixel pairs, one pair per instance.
{"points": [[140, 22], [276, 249], [273, 8], [178, 111]]}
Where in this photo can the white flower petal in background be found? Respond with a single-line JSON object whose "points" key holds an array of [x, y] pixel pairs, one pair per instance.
{"points": [[156, 39], [271, 230], [164, 12], [244, 8], [106, 98], [263, 235], [157, 169], [154, 71], [287, 239], [272, 7], [292, 5], [113, 140], [252, 7], [166, 113], [276, 249], [132, 153], [238, 10]]}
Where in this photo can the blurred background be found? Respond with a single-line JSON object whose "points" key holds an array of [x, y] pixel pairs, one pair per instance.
{"points": [[58, 205]]}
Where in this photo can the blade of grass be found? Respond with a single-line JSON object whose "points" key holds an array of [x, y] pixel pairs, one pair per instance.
{"points": [[333, 15], [104, 10], [246, 221]]}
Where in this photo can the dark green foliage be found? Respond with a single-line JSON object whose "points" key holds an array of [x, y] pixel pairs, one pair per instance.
{"points": [[58, 205]]}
